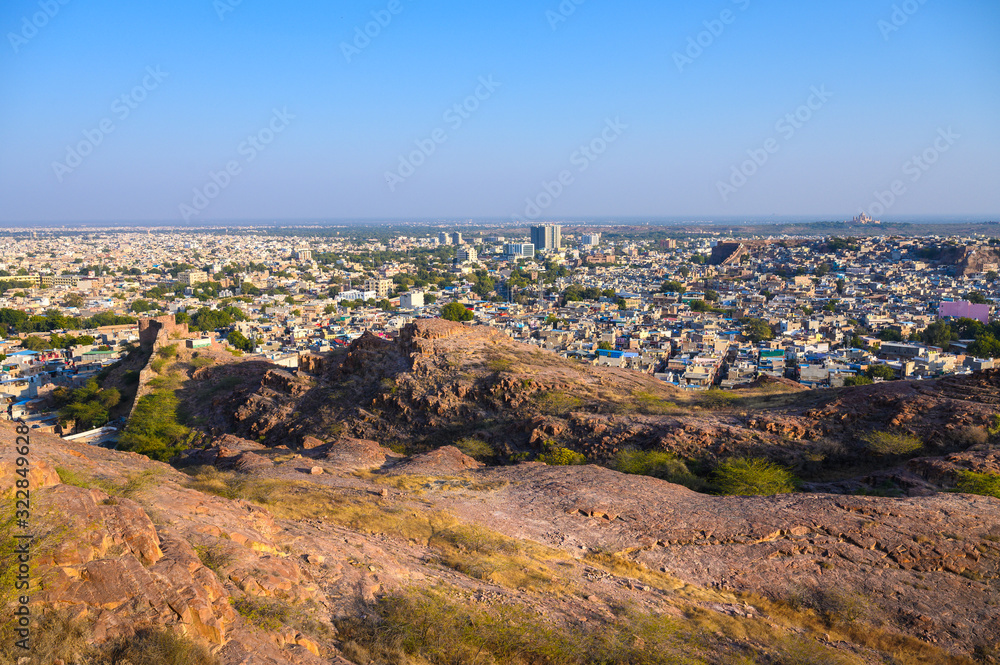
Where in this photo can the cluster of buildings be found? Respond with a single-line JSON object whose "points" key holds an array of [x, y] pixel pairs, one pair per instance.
{"points": [[671, 305]]}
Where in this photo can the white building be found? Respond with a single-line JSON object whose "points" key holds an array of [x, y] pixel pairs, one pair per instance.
{"points": [[411, 300]]}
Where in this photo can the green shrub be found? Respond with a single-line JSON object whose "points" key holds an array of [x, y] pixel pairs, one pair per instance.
{"points": [[153, 429], [888, 443], [70, 477], [983, 484], [658, 464], [264, 614], [499, 364], [158, 365], [558, 403], [557, 456], [746, 476], [167, 351], [477, 449], [154, 646], [201, 361], [857, 381]]}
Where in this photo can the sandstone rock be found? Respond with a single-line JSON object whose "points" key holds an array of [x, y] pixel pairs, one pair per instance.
{"points": [[442, 461], [249, 462], [311, 442], [316, 470], [358, 454]]}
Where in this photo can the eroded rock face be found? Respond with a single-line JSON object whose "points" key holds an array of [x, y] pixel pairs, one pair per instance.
{"points": [[442, 380], [120, 564]]}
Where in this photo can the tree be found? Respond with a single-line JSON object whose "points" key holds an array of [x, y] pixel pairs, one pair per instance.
{"points": [[857, 381], [455, 311], [757, 330], [881, 372], [605, 346], [711, 295], [239, 341], [977, 298], [672, 286], [986, 346], [73, 300], [939, 334], [35, 344], [890, 335], [484, 286]]}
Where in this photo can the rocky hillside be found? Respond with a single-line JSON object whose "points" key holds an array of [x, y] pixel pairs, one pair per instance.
{"points": [[357, 554], [327, 518], [441, 382]]}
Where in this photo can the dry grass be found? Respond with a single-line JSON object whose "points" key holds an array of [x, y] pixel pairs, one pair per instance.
{"points": [[418, 484], [893, 647], [558, 403], [303, 500], [131, 488], [493, 557], [618, 564]]}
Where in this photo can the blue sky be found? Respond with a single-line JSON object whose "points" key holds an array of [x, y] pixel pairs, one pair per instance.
{"points": [[898, 80]]}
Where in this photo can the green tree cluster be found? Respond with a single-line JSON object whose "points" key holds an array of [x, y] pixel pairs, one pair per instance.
{"points": [[455, 311], [757, 330], [88, 405]]}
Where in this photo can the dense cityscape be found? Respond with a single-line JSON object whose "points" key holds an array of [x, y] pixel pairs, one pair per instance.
{"points": [[698, 310]]}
